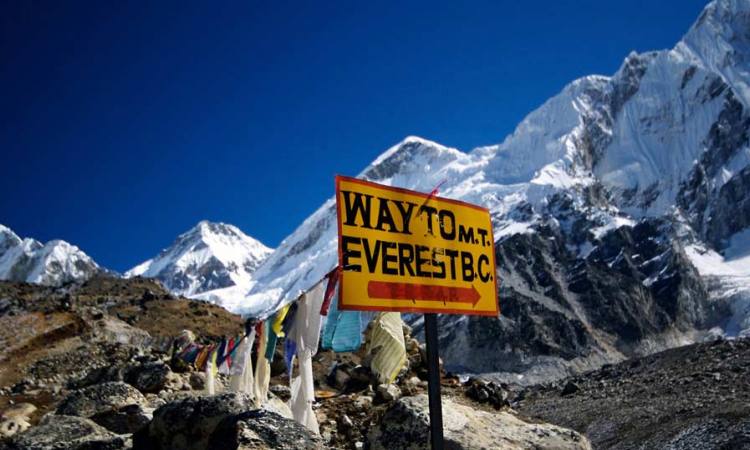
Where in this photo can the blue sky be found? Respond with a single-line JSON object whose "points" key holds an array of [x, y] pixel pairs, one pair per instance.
{"points": [[125, 123]]}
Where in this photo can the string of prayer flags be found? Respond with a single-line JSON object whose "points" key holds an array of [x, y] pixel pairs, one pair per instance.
{"points": [[300, 323], [386, 344]]}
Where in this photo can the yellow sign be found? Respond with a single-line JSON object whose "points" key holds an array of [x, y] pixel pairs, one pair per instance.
{"points": [[402, 250]]}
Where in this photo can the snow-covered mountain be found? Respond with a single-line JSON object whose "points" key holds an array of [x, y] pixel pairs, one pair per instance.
{"points": [[620, 207], [212, 261], [54, 263]]}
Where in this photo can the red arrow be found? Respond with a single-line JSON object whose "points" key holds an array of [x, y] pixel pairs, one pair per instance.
{"points": [[409, 291]]}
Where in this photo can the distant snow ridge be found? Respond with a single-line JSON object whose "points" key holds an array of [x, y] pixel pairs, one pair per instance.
{"points": [[212, 261], [54, 263]]}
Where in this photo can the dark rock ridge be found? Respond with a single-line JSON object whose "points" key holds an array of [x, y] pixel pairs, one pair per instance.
{"points": [[717, 212], [631, 294]]}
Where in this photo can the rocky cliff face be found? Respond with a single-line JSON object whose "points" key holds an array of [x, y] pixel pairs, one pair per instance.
{"points": [[562, 313]]}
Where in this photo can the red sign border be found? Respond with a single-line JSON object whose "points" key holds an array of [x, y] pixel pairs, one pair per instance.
{"points": [[407, 309]]}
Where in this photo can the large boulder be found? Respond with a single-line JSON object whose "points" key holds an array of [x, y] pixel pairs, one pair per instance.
{"points": [[100, 375], [116, 406], [276, 405], [15, 419], [406, 425], [56, 432], [13, 425], [189, 422], [100, 398], [150, 377], [260, 430], [110, 329], [124, 420], [18, 410]]}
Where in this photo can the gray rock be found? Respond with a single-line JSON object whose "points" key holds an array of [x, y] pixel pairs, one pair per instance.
{"points": [[260, 429], [57, 432], [150, 377], [339, 376], [388, 393], [276, 405], [281, 391], [406, 426], [100, 398], [111, 329], [363, 402], [13, 425], [18, 410], [5, 306], [570, 388], [125, 420], [197, 380], [487, 392], [188, 423]]}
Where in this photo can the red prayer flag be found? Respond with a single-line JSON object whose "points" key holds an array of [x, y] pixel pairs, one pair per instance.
{"points": [[333, 279]]}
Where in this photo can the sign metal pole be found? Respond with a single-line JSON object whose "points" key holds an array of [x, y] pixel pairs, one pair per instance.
{"points": [[385, 242], [433, 389]]}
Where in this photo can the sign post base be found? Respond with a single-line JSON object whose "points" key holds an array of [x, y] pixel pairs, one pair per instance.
{"points": [[433, 371]]}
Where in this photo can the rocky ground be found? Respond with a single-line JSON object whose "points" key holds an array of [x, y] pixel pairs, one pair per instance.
{"points": [[88, 366], [692, 397]]}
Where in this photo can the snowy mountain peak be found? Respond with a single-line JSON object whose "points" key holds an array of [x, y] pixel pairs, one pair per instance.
{"points": [[8, 239], [721, 19], [720, 42], [53, 263], [413, 157], [209, 256]]}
